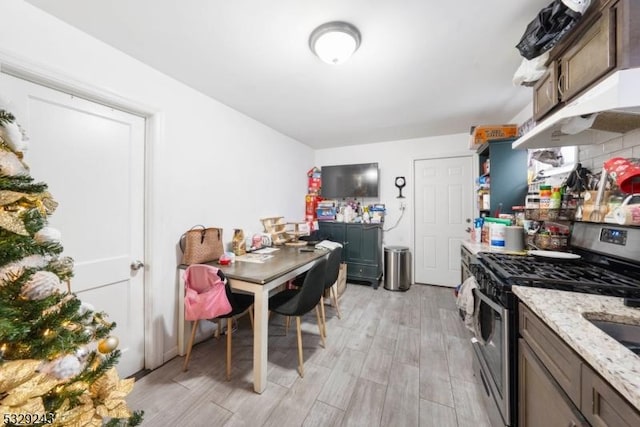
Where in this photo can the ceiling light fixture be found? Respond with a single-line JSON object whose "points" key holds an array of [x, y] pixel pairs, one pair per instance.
{"points": [[334, 42]]}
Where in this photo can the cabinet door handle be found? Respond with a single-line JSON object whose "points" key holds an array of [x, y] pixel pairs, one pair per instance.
{"points": [[561, 85], [547, 91]]}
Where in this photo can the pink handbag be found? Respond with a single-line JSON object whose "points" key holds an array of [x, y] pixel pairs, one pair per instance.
{"points": [[205, 294]]}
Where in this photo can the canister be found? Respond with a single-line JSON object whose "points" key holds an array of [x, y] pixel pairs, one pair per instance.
{"points": [[497, 232], [514, 238]]}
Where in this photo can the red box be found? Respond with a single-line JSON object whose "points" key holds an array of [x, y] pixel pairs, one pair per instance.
{"points": [[311, 204], [314, 180]]}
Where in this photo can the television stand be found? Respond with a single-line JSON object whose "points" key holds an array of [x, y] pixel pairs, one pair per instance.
{"points": [[362, 249]]}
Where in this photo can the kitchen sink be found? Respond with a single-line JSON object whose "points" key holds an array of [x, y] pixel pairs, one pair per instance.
{"points": [[626, 334]]}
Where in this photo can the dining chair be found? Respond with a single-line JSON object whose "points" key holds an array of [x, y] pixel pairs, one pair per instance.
{"points": [[331, 281], [209, 297], [331, 284], [297, 302]]}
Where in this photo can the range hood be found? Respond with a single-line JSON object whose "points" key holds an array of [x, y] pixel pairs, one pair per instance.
{"points": [[611, 108]]}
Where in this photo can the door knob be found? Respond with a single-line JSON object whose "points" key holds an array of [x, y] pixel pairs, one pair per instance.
{"points": [[136, 265], [468, 219]]}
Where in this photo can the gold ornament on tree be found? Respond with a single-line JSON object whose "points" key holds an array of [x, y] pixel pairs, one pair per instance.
{"points": [[108, 344]]}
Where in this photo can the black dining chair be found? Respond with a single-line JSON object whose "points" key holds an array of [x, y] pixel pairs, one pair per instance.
{"points": [[201, 278], [297, 302], [330, 279], [330, 283]]}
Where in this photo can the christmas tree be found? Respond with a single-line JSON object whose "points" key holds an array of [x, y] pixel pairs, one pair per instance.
{"points": [[57, 357]]}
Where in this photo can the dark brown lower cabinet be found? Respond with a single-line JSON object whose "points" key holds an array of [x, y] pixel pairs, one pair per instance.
{"points": [[556, 387], [542, 402]]}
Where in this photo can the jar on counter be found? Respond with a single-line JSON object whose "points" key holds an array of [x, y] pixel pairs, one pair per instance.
{"points": [[519, 215], [545, 196], [614, 201], [556, 198], [484, 236]]}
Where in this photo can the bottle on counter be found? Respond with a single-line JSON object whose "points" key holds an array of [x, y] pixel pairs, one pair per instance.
{"points": [[238, 243], [555, 200], [477, 228]]}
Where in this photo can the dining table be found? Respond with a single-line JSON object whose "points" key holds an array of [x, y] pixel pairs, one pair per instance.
{"points": [[261, 274]]}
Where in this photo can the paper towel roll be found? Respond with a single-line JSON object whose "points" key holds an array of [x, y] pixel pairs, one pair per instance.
{"points": [[514, 238], [627, 215]]}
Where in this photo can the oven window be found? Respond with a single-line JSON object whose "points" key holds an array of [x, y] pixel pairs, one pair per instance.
{"points": [[491, 331]]}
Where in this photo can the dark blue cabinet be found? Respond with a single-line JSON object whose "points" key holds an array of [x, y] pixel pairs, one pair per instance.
{"points": [[508, 175], [362, 249]]}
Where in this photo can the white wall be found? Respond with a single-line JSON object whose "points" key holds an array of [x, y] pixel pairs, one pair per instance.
{"points": [[593, 156], [211, 165], [396, 158]]}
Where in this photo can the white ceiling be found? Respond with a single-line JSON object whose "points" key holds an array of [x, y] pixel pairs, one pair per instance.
{"points": [[424, 68]]}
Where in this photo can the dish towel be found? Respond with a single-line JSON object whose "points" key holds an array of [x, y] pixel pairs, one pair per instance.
{"points": [[467, 303]]}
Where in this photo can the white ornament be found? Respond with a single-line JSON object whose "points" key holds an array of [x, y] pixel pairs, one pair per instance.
{"points": [[48, 234], [12, 134], [85, 307], [11, 165], [41, 285], [63, 368], [15, 268], [34, 261]]}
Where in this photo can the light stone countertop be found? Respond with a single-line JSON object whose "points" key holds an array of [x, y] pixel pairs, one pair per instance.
{"points": [[563, 313], [474, 248]]}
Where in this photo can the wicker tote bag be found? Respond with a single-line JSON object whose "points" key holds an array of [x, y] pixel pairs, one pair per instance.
{"points": [[200, 244]]}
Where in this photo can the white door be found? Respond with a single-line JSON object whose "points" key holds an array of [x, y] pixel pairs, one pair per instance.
{"points": [[92, 158], [443, 194]]}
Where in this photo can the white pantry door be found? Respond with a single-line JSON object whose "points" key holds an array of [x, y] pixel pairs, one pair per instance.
{"points": [[92, 158], [443, 194]]}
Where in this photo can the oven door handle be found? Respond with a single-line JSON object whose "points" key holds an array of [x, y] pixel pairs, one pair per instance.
{"points": [[494, 305]]}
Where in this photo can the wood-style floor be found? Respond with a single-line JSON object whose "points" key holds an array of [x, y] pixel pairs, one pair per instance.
{"points": [[394, 359]]}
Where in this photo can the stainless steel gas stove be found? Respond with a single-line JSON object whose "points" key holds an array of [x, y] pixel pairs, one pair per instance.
{"points": [[604, 259]]}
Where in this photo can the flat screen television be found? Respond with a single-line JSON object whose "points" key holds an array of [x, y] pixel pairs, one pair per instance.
{"points": [[359, 180]]}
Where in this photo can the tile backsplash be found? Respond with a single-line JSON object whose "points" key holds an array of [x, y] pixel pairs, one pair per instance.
{"points": [[593, 156]]}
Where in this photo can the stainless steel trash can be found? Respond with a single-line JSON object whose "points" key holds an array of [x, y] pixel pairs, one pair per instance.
{"points": [[397, 268]]}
